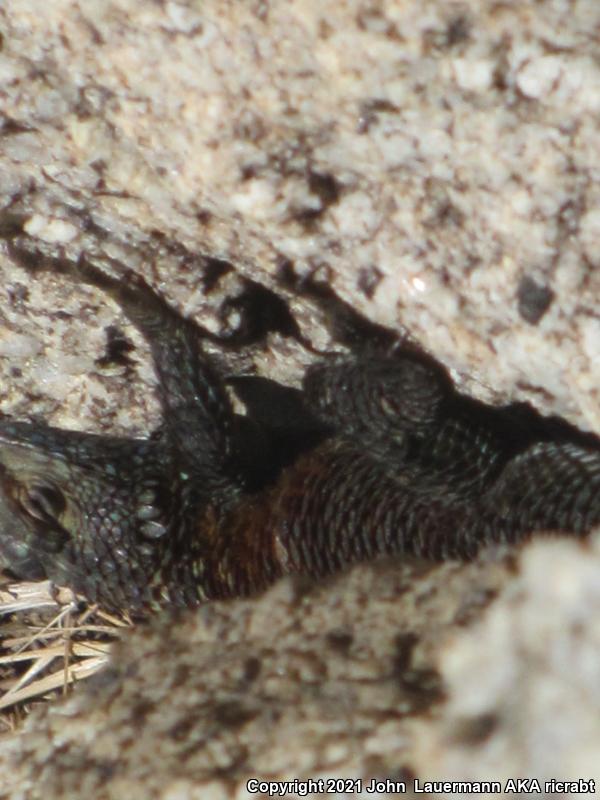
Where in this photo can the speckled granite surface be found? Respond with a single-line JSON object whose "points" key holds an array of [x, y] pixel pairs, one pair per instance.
{"points": [[451, 672], [436, 160], [439, 158], [301, 683], [522, 684]]}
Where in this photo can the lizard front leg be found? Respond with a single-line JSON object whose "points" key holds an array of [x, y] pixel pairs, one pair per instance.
{"points": [[207, 460]]}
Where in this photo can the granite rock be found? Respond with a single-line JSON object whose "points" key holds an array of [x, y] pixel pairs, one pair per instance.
{"points": [[304, 682], [435, 160], [437, 163], [522, 683]]}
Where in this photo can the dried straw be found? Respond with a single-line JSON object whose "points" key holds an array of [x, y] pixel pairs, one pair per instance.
{"points": [[49, 640]]}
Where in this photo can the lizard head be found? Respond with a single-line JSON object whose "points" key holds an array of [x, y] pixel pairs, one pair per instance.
{"points": [[81, 510]]}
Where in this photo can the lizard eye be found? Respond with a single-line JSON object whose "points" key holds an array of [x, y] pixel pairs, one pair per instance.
{"points": [[43, 502]]}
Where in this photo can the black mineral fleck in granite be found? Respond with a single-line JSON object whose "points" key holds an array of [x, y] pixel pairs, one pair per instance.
{"points": [[533, 299]]}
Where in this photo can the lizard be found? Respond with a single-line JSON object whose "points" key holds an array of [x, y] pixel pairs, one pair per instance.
{"points": [[377, 454]]}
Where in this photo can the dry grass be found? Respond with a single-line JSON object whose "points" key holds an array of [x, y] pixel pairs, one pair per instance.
{"points": [[49, 640]]}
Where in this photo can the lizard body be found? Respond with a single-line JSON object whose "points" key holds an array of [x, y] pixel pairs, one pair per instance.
{"points": [[378, 454]]}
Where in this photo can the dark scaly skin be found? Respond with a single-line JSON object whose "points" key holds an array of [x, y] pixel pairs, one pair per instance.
{"points": [[378, 455]]}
